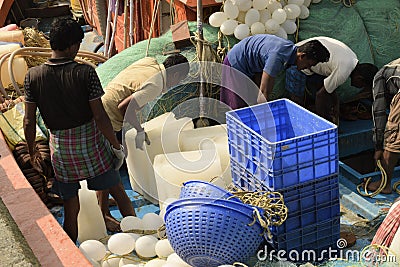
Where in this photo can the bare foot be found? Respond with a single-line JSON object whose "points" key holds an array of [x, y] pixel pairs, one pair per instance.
{"points": [[112, 224], [372, 186]]}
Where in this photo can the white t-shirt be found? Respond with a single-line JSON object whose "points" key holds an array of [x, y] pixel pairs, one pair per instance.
{"points": [[342, 62]]}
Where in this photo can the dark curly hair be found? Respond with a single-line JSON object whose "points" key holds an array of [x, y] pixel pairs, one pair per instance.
{"points": [[315, 50], [177, 59], [367, 71], [64, 33]]}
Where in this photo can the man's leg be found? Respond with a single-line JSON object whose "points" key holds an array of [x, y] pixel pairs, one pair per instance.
{"points": [[122, 199], [71, 210], [112, 224], [231, 85], [391, 145]]}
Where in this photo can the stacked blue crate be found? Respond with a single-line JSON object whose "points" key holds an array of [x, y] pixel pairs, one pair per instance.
{"points": [[280, 146]]}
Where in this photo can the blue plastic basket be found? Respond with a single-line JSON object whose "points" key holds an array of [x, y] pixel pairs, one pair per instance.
{"points": [[282, 144], [212, 232], [193, 189]]}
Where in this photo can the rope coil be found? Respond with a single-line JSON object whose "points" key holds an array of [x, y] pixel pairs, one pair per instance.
{"points": [[379, 189]]}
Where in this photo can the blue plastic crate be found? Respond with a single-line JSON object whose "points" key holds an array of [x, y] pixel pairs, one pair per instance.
{"points": [[309, 204], [315, 237], [282, 144]]}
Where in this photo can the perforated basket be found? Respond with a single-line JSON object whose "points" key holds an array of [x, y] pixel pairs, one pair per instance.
{"points": [[194, 189], [212, 232]]}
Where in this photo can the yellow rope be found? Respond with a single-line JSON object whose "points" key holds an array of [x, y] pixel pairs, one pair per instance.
{"points": [[346, 3], [272, 203], [395, 187], [379, 189]]}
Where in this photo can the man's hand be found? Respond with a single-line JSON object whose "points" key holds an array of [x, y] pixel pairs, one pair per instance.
{"points": [[35, 161], [261, 98], [119, 157], [378, 155], [141, 137]]}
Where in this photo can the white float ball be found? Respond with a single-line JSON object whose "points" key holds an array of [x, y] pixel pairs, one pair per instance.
{"points": [[111, 262], [241, 17], [237, 2], [304, 12], [279, 15], [281, 33], [307, 3], [130, 223], [92, 261], [264, 15], [121, 243], [245, 5], [95, 263], [257, 28], [231, 10], [242, 31], [292, 11], [163, 248], [296, 2], [152, 221], [316, 1], [217, 18], [174, 258], [252, 16], [228, 27], [173, 264], [273, 5], [219, 1], [145, 246], [271, 26], [134, 236], [94, 249], [260, 4], [289, 26], [128, 262], [155, 263]]}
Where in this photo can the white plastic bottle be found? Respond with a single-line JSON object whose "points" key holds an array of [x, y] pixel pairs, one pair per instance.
{"points": [[91, 223]]}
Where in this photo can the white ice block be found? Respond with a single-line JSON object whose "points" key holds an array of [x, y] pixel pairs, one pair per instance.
{"points": [[163, 133], [209, 138], [173, 169]]}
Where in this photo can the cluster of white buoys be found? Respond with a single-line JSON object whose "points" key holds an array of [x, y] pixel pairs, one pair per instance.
{"points": [[243, 18], [120, 247]]}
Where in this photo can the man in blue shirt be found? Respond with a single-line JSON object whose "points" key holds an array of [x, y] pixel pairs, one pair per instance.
{"points": [[266, 55]]}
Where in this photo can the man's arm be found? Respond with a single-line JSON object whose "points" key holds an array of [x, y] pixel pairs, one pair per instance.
{"points": [[103, 121], [379, 115], [30, 126], [30, 135], [267, 84], [131, 117]]}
